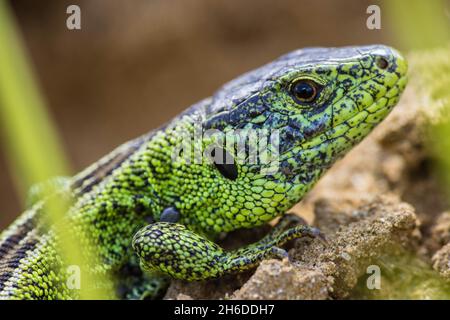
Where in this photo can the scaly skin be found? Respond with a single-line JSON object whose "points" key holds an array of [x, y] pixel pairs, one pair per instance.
{"points": [[190, 203]]}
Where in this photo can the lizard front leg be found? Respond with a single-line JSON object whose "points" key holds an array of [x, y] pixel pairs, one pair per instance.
{"points": [[173, 249]]}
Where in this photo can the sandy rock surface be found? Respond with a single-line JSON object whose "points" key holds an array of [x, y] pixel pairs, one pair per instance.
{"points": [[441, 261], [322, 271]]}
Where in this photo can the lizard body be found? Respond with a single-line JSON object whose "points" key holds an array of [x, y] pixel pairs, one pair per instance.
{"points": [[142, 200]]}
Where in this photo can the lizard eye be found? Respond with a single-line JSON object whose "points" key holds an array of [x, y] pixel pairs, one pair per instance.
{"points": [[382, 63], [305, 90], [224, 162]]}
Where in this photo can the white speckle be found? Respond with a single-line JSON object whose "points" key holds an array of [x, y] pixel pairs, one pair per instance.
{"points": [[346, 256]]}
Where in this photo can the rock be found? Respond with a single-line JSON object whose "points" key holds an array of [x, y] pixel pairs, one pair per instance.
{"points": [[276, 279], [356, 236], [184, 297], [441, 261], [214, 289], [440, 233], [440, 241]]}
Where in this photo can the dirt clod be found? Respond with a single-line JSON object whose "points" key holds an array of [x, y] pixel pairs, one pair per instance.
{"points": [[441, 262], [276, 279]]}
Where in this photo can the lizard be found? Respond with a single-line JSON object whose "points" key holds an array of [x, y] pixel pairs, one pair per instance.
{"points": [[150, 217]]}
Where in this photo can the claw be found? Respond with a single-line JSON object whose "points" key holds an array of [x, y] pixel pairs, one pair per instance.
{"points": [[279, 252], [296, 219], [319, 235]]}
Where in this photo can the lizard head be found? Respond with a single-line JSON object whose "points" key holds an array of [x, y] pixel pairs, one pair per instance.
{"points": [[306, 109]]}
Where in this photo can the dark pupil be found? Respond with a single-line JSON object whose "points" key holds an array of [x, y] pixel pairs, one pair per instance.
{"points": [[304, 91], [382, 63]]}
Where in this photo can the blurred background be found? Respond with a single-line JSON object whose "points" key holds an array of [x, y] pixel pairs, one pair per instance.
{"points": [[135, 64]]}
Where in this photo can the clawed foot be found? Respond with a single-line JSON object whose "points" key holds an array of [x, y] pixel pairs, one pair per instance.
{"points": [[280, 234], [320, 236], [173, 249]]}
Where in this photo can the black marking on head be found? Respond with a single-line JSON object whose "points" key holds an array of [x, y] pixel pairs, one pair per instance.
{"points": [[224, 162], [237, 115]]}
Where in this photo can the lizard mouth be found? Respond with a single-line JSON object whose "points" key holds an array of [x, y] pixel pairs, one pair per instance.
{"points": [[370, 116]]}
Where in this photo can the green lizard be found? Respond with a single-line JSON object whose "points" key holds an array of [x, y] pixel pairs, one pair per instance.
{"points": [[141, 208]]}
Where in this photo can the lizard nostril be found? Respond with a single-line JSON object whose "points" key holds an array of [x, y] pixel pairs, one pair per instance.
{"points": [[382, 63]]}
